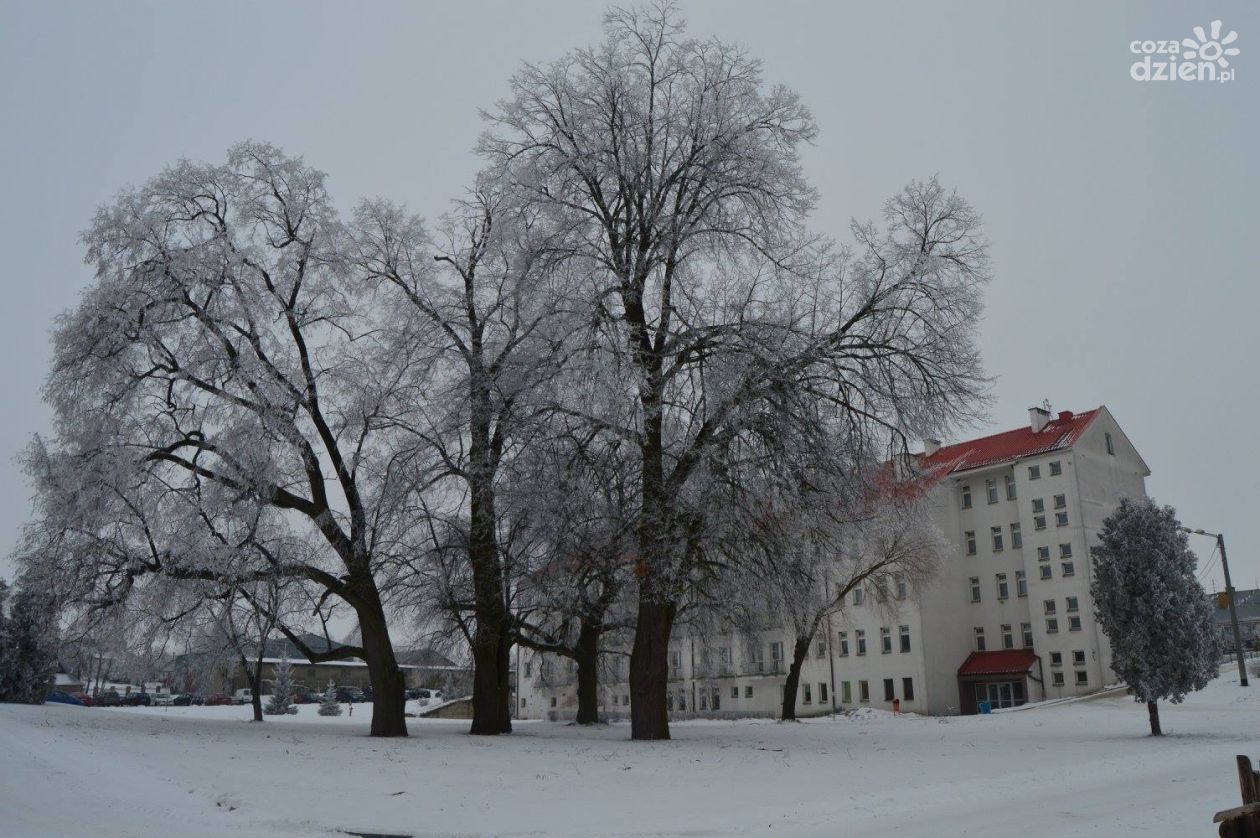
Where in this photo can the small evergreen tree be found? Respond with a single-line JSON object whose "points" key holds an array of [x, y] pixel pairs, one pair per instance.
{"points": [[281, 702], [1151, 606], [27, 647], [330, 706]]}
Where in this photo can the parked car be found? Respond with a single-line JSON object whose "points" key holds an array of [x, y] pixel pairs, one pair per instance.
{"points": [[349, 695], [218, 700], [109, 698], [163, 699], [138, 700], [84, 699], [243, 696], [307, 697], [428, 696], [186, 700], [59, 697]]}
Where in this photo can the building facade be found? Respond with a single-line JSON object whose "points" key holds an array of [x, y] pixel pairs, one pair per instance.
{"points": [[1006, 619]]}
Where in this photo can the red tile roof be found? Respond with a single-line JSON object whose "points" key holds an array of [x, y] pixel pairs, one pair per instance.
{"points": [[1003, 662], [1059, 433]]}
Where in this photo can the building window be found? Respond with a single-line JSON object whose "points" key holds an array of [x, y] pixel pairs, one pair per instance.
{"points": [[820, 649], [1073, 604], [1056, 468], [1010, 487], [704, 701], [1017, 537], [1065, 551], [1021, 583], [806, 695], [1074, 622], [1045, 571], [522, 702], [889, 695], [996, 534], [844, 644], [529, 669], [975, 589], [864, 691], [1008, 637], [1060, 501], [1043, 554], [991, 490], [553, 701], [846, 693], [979, 631], [904, 632], [858, 596], [776, 652], [900, 584], [748, 692], [1003, 590], [1034, 472], [822, 692], [734, 692], [970, 535], [907, 689], [1082, 677], [861, 641], [1026, 630], [966, 497], [1056, 678], [1111, 445], [1052, 625], [1039, 522], [1078, 657], [1056, 659], [1039, 504], [1060, 519], [885, 641], [682, 701], [1048, 606]]}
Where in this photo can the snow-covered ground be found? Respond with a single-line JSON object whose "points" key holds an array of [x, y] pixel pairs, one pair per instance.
{"points": [[1081, 769]]}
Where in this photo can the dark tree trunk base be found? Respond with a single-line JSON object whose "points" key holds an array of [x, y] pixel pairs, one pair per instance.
{"points": [[587, 657], [649, 671], [389, 699], [1152, 710], [800, 649]]}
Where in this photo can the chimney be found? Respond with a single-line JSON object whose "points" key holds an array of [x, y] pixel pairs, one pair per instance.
{"points": [[931, 446], [1065, 416], [1038, 417]]}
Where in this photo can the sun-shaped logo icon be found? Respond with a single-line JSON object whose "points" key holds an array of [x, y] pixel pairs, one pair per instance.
{"points": [[1214, 48]]}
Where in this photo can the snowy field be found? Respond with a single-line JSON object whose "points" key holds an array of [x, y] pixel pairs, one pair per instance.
{"points": [[1077, 769]]}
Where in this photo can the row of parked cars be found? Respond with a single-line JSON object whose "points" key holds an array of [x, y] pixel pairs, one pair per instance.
{"points": [[300, 695]]}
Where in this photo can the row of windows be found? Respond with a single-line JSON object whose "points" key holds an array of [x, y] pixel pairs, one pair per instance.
{"points": [[993, 493], [900, 590], [1008, 636], [1003, 586], [885, 641], [864, 690]]}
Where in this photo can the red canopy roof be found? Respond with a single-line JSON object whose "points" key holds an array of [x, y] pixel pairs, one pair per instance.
{"points": [[1060, 432], [1002, 662]]}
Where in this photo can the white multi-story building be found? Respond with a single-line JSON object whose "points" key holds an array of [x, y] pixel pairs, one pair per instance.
{"points": [[1007, 618]]}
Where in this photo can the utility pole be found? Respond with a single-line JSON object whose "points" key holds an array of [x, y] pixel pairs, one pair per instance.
{"points": [[1233, 611]]}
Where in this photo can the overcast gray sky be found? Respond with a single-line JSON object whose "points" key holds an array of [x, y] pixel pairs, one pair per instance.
{"points": [[1122, 214]]}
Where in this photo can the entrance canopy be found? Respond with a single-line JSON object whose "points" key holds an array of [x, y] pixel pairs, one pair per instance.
{"points": [[1001, 662]]}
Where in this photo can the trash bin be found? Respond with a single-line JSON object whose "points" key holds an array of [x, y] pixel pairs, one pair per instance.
{"points": [[985, 708]]}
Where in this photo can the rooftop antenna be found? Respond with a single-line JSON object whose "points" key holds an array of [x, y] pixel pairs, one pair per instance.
{"points": [[1046, 404]]}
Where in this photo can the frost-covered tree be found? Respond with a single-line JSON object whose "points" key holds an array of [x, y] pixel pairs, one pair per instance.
{"points": [[1151, 607], [281, 701], [329, 705], [28, 647], [220, 360], [717, 322]]}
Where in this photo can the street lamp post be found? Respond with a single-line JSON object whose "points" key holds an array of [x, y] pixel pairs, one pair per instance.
{"points": [[1233, 611]]}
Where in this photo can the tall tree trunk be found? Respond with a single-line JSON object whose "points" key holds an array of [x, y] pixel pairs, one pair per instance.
{"points": [[800, 649], [492, 642], [389, 700], [649, 658], [586, 653], [649, 670], [1152, 710]]}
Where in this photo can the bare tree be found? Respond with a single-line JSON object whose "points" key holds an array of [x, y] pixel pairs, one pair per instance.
{"points": [[675, 175], [219, 351], [483, 307]]}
